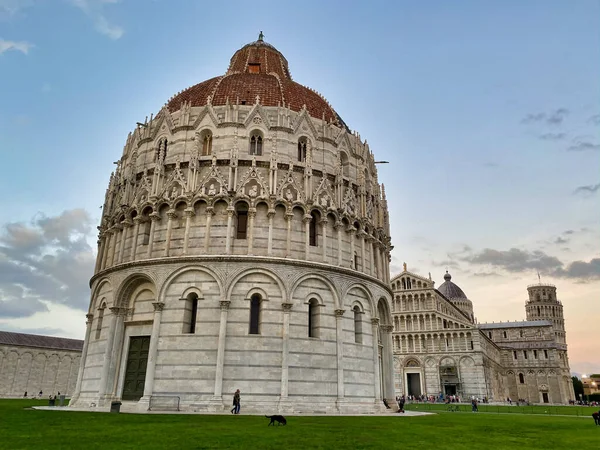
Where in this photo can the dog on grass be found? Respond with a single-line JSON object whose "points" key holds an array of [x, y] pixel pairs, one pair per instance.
{"points": [[279, 419]]}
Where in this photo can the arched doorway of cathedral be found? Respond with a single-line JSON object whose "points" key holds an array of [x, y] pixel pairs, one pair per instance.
{"points": [[131, 340], [413, 377], [449, 377]]}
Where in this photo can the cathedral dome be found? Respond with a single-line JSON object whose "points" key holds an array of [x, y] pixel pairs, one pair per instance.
{"points": [[257, 70], [451, 290]]}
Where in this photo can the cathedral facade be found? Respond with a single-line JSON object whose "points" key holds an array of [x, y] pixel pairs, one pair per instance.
{"points": [[244, 244], [439, 347]]}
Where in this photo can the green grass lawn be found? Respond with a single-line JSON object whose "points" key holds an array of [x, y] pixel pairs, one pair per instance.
{"points": [[22, 428], [585, 411]]}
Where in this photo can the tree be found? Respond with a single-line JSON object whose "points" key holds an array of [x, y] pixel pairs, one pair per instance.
{"points": [[577, 387]]}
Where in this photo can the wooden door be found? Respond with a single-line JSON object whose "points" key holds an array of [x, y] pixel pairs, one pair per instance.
{"points": [[135, 372]]}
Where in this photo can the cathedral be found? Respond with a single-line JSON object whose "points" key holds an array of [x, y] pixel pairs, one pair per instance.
{"points": [[440, 349], [244, 244]]}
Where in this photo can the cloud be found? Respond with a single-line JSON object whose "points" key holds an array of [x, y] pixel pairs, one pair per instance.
{"points": [[582, 146], [491, 165], [555, 117], [595, 119], [21, 46], [44, 262], [552, 136], [516, 260], [561, 240], [581, 270], [589, 189], [94, 9], [10, 8]]}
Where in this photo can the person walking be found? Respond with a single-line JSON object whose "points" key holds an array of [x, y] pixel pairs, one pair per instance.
{"points": [[236, 403]]}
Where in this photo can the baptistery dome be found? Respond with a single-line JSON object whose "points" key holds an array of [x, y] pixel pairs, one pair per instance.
{"points": [[244, 237], [257, 70]]}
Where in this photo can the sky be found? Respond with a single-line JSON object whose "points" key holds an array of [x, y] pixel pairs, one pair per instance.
{"points": [[488, 112]]}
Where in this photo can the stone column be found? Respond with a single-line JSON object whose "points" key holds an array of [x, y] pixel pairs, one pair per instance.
{"points": [[251, 216], [221, 350], [104, 374], [136, 231], [287, 307], [126, 225], [101, 243], [288, 217], [154, 217], [115, 353], [209, 213], [171, 214], [189, 213], [152, 352], [375, 323], [388, 362], [307, 219], [351, 230], [230, 212], [362, 251], [372, 256], [270, 215], [339, 337], [324, 222], [86, 343], [338, 228], [107, 239], [113, 247]]}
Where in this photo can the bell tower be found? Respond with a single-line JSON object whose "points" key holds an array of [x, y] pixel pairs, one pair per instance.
{"points": [[543, 305]]}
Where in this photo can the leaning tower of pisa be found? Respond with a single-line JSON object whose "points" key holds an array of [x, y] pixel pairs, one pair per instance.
{"points": [[244, 244], [543, 304]]}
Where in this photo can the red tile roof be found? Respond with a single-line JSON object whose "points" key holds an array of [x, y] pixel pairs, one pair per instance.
{"points": [[273, 84], [34, 340]]}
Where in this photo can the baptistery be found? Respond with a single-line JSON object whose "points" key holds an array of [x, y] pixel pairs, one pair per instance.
{"points": [[244, 244]]}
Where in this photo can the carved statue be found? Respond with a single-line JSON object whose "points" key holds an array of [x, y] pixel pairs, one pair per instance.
{"points": [[253, 192], [325, 201], [212, 190], [289, 195], [174, 193]]}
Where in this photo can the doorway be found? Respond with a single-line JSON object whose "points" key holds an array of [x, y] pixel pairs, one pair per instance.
{"points": [[545, 397], [413, 381], [450, 389], [135, 371]]}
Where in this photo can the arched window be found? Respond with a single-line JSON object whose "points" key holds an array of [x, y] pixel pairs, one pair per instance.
{"points": [[312, 229], [538, 310], [521, 378], [490, 334], [504, 334], [241, 227], [100, 320], [313, 318], [206, 143], [520, 333], [256, 144], [345, 164], [191, 313], [255, 302], [302, 149], [357, 325], [355, 260], [403, 283], [161, 150], [408, 284]]}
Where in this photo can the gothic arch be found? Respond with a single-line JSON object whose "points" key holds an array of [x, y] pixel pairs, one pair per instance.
{"points": [[334, 293], [263, 271], [366, 291], [129, 285], [102, 282], [185, 269]]}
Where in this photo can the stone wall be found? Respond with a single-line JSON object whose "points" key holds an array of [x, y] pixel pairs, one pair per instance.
{"points": [[31, 370]]}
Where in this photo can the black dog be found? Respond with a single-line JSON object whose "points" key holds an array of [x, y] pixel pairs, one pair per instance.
{"points": [[279, 419]]}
